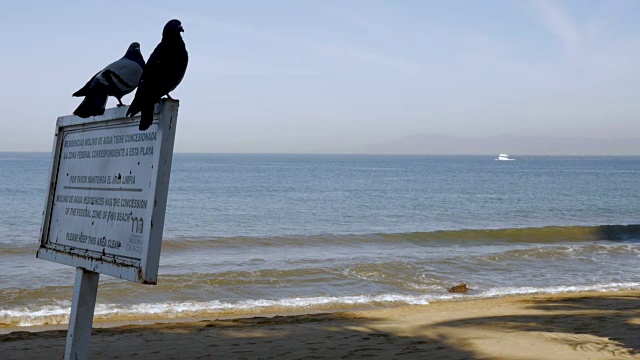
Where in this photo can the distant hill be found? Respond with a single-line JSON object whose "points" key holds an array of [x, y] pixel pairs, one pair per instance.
{"points": [[520, 145]]}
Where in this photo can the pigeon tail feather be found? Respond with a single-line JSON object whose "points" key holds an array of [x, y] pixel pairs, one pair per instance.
{"points": [[147, 116], [133, 109], [92, 105]]}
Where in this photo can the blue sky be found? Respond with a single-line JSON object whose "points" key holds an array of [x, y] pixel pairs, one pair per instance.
{"points": [[330, 76]]}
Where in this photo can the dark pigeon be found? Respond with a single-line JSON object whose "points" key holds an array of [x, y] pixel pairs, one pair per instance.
{"points": [[117, 79], [162, 74]]}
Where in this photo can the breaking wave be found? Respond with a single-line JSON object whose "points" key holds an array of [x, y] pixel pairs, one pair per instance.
{"points": [[59, 314]]}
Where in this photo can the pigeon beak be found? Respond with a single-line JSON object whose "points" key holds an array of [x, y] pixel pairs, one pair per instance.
{"points": [[181, 29]]}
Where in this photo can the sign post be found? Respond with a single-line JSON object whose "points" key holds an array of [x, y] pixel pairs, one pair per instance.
{"points": [[105, 208], [81, 317]]}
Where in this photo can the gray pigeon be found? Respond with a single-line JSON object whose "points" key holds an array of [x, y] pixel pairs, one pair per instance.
{"points": [[117, 79]]}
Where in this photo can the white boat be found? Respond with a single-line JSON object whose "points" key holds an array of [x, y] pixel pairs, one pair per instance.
{"points": [[504, 157]]}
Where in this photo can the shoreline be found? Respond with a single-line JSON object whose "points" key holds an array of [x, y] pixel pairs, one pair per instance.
{"points": [[593, 324], [125, 316], [150, 319]]}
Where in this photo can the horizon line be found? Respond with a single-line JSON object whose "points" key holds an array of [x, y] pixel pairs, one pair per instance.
{"points": [[358, 153]]}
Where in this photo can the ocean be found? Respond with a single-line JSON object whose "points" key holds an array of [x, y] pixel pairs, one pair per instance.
{"points": [[258, 234]]}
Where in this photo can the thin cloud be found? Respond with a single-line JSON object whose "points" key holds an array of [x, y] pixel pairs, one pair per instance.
{"points": [[367, 57], [351, 52], [356, 19], [556, 19]]}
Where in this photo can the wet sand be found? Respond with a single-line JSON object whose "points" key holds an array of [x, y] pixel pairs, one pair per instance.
{"points": [[588, 325]]}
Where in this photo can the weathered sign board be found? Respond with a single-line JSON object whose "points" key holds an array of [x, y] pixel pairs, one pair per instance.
{"points": [[108, 191]]}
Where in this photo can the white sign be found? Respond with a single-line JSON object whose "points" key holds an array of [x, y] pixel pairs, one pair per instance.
{"points": [[108, 192]]}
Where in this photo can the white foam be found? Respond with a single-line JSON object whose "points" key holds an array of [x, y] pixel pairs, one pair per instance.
{"points": [[29, 316], [26, 316], [497, 292]]}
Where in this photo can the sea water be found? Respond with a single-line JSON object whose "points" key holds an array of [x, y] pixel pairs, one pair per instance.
{"points": [[253, 234]]}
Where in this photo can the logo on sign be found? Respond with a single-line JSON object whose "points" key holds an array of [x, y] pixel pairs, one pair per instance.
{"points": [[137, 225]]}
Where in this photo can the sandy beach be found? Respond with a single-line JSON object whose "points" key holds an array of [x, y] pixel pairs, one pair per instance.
{"points": [[587, 325]]}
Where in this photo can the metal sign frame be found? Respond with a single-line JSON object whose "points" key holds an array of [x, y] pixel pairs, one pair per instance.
{"points": [[142, 269]]}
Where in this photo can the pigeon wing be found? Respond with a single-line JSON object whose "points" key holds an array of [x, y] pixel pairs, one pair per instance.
{"points": [[173, 65], [148, 82], [153, 68], [122, 76], [177, 66], [83, 91]]}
